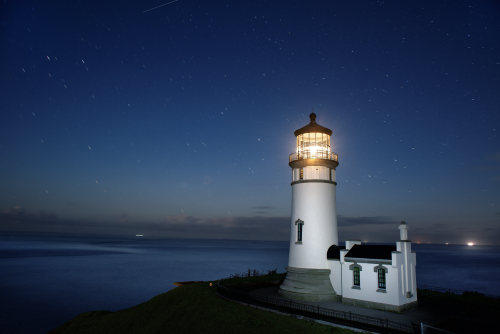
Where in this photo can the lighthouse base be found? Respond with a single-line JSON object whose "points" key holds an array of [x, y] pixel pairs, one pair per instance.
{"points": [[308, 284]]}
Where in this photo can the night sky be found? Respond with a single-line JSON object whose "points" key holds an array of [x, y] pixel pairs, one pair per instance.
{"points": [[119, 118]]}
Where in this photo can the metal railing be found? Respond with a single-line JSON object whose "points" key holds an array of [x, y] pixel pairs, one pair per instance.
{"points": [[313, 155], [317, 312]]}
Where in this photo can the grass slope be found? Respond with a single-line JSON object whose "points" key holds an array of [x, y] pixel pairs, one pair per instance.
{"points": [[194, 308], [470, 312]]}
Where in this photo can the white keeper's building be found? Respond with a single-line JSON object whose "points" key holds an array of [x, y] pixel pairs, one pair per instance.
{"points": [[377, 276]]}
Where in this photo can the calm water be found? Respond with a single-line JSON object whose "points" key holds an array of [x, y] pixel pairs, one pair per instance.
{"points": [[45, 282]]}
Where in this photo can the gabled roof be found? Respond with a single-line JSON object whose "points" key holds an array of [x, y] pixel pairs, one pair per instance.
{"points": [[378, 252], [334, 252]]}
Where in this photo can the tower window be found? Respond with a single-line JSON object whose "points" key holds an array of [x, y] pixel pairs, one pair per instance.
{"points": [[301, 174], [355, 277], [381, 278], [331, 174], [300, 226]]}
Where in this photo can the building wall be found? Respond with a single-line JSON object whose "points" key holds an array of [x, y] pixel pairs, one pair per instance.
{"points": [[314, 204], [368, 289], [394, 297], [336, 276], [314, 173], [405, 260]]}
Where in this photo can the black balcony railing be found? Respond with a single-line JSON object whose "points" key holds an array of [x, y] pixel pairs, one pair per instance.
{"points": [[313, 155]]}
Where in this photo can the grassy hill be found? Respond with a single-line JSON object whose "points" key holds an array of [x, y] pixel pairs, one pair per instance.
{"points": [[469, 312], [194, 308], [197, 308]]}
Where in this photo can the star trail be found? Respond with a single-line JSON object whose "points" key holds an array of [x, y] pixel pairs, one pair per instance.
{"points": [[176, 119]]}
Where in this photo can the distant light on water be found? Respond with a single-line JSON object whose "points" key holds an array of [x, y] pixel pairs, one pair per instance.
{"points": [[470, 244]]}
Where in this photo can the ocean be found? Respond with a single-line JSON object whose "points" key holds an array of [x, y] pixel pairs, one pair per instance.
{"points": [[47, 281]]}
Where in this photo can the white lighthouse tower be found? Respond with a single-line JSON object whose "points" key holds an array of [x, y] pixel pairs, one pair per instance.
{"points": [[314, 215]]}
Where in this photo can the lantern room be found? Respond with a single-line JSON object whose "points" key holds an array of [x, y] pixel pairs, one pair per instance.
{"points": [[313, 142]]}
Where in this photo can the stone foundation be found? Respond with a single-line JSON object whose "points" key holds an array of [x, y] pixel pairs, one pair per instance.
{"points": [[379, 306], [308, 285]]}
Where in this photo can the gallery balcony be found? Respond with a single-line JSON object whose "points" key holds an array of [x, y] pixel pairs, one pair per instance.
{"points": [[313, 158], [313, 155]]}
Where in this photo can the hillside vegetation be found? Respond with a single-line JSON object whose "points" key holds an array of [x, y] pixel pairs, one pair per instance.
{"points": [[194, 308], [469, 312]]}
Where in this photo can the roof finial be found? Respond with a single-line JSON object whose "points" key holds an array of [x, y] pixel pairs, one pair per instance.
{"points": [[312, 116]]}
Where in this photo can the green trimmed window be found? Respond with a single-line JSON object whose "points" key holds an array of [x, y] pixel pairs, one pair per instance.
{"points": [[355, 276], [299, 231], [381, 278]]}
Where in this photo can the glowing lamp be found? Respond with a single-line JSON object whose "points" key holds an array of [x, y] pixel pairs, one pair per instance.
{"points": [[314, 142]]}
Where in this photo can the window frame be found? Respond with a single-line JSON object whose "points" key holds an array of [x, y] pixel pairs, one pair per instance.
{"points": [[382, 284], [356, 275], [299, 231], [381, 272]]}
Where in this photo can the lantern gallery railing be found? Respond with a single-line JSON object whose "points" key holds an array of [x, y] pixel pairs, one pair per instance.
{"points": [[313, 155]]}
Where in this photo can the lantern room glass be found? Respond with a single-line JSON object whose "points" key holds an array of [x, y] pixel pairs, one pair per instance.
{"points": [[313, 145]]}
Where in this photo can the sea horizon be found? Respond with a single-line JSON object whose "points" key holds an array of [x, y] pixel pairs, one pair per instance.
{"points": [[152, 237], [47, 280]]}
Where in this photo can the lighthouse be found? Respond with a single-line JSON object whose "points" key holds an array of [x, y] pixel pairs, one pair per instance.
{"points": [[314, 216]]}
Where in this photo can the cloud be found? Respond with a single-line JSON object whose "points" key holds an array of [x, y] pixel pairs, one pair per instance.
{"points": [[18, 215], [253, 227], [355, 221], [490, 165], [177, 226], [452, 233], [262, 209], [495, 157], [371, 229], [368, 229]]}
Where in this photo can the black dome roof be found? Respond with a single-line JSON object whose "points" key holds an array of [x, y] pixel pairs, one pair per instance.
{"points": [[313, 127], [334, 252]]}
